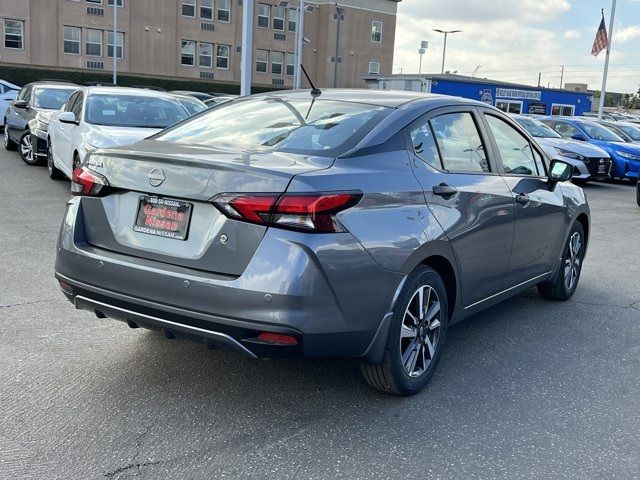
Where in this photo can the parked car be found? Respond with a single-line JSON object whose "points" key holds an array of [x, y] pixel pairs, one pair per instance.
{"points": [[625, 156], [26, 121], [354, 224], [199, 95], [191, 104], [8, 92], [589, 161], [101, 117], [629, 132], [212, 102], [605, 116]]}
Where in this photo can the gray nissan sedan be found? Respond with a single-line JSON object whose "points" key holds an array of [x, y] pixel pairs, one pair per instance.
{"points": [[343, 223]]}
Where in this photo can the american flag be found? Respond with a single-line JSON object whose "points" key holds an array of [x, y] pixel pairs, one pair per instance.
{"points": [[602, 39]]}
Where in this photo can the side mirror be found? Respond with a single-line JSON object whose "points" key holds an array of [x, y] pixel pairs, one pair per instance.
{"points": [[560, 171], [20, 104], [578, 136], [68, 117]]}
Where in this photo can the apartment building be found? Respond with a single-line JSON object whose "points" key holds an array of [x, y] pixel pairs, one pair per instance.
{"points": [[201, 39]]}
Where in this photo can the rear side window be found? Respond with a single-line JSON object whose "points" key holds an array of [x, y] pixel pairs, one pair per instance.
{"points": [[460, 143], [424, 145], [515, 150]]}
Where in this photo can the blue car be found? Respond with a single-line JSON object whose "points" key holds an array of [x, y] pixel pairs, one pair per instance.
{"points": [[625, 156]]}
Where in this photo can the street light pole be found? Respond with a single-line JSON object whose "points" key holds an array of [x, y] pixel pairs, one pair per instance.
{"points": [[246, 61], [299, 45], [423, 49], [444, 49], [115, 42], [339, 11]]}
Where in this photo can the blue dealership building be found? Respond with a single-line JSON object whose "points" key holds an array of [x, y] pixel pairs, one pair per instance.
{"points": [[510, 97]]}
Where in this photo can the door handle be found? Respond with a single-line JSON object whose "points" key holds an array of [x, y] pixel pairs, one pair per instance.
{"points": [[523, 199], [443, 190]]}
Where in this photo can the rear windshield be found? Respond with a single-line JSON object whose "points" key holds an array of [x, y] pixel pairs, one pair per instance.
{"points": [[193, 106], [141, 111], [320, 127], [51, 98], [538, 129]]}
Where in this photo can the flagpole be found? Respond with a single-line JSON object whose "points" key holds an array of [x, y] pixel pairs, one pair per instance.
{"points": [[603, 91]]}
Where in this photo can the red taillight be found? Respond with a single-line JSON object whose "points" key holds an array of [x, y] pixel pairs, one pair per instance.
{"points": [[308, 212], [87, 183], [277, 338]]}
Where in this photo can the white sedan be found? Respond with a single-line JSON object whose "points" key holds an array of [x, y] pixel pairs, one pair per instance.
{"points": [[105, 117]]}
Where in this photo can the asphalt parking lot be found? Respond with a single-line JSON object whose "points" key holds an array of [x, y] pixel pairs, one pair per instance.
{"points": [[528, 389]]}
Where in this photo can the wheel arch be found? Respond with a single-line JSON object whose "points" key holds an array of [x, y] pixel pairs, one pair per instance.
{"points": [[447, 272]]}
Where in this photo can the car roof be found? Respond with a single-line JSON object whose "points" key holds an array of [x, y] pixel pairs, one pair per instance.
{"points": [[53, 84], [140, 92], [383, 98]]}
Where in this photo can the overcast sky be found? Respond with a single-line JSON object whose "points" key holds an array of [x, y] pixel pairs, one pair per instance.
{"points": [[513, 40]]}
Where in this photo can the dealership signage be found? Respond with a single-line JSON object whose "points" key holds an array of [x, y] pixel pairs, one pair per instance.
{"points": [[513, 93], [537, 108]]}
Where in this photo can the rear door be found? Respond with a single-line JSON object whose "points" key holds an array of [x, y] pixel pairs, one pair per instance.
{"points": [[16, 116], [539, 207], [466, 195]]}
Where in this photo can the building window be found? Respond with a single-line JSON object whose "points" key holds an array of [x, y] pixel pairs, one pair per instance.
{"points": [[206, 9], [374, 68], [189, 8], [277, 59], [224, 10], [376, 31], [278, 18], [71, 37], [222, 56], [188, 53], [563, 110], [262, 61], [99, 2], [93, 47], [291, 61], [13, 34], [206, 55], [292, 16], [509, 106], [119, 44], [264, 13], [120, 3]]}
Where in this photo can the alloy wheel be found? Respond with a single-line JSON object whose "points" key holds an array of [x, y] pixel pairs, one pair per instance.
{"points": [[26, 148], [6, 135], [572, 262], [420, 331], [49, 158]]}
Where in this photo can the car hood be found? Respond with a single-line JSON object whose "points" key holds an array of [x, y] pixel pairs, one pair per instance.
{"points": [[618, 146], [108, 137], [581, 148]]}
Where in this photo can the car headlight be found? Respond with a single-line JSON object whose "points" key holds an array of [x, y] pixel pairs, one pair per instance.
{"points": [[570, 154], [628, 156]]}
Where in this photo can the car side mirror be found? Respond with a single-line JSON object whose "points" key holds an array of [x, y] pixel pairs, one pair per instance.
{"points": [[578, 136], [560, 171], [20, 104], [68, 117]]}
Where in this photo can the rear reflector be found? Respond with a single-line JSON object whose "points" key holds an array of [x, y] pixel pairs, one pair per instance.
{"points": [[66, 288], [277, 338], [88, 183], [308, 212]]}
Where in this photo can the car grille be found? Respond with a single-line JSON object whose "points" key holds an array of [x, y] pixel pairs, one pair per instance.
{"points": [[593, 165]]}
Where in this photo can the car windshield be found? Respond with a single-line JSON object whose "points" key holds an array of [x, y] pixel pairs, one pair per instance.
{"points": [[322, 127], [598, 132], [538, 129], [142, 111], [193, 106], [51, 98], [633, 132]]}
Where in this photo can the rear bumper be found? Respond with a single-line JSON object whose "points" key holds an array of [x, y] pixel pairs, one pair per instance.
{"points": [[324, 290]]}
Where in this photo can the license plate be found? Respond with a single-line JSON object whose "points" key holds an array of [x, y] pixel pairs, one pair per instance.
{"points": [[163, 217], [602, 169]]}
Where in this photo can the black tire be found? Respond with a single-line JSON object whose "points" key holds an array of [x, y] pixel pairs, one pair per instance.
{"points": [[392, 376], [24, 147], [561, 287], [54, 173], [8, 143]]}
